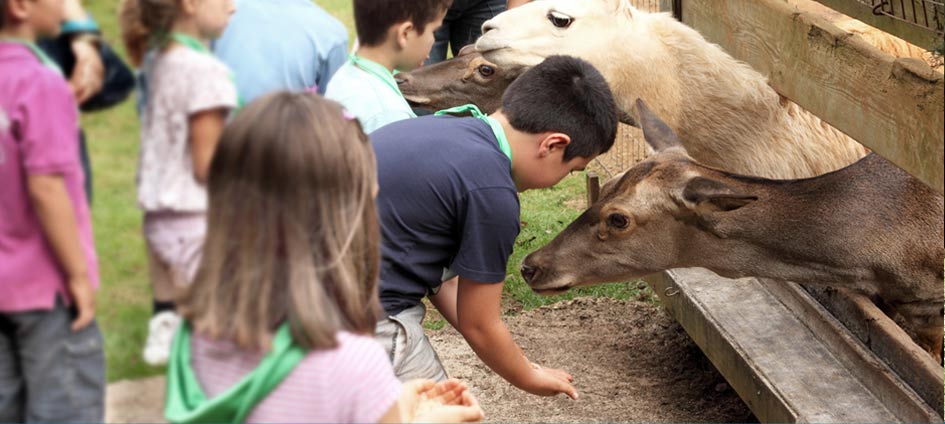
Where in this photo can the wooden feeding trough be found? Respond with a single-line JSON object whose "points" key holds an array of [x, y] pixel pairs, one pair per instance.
{"points": [[796, 354]]}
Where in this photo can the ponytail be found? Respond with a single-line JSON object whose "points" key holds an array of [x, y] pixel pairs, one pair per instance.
{"points": [[142, 21]]}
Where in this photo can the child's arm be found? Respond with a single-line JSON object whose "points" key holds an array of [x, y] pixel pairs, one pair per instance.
{"points": [[480, 322], [205, 129], [445, 300], [57, 217]]}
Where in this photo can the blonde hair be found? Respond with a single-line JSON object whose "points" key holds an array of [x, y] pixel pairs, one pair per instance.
{"points": [[292, 227], [141, 21]]}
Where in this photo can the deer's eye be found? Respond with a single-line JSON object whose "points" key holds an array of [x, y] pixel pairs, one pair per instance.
{"points": [[560, 20], [486, 70], [617, 220]]}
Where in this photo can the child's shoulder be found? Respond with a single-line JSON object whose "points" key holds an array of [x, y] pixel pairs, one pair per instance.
{"points": [[187, 60]]}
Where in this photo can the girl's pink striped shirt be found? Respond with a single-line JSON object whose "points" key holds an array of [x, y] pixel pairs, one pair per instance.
{"points": [[353, 382]]}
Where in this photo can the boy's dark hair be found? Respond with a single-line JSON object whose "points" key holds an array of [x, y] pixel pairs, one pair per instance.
{"points": [[567, 95], [372, 18], [3, 12]]}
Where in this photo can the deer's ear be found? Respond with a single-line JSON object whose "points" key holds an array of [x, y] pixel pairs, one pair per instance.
{"points": [[705, 195], [656, 133]]}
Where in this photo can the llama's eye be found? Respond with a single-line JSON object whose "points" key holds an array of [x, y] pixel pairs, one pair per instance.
{"points": [[560, 20], [486, 70], [617, 220]]}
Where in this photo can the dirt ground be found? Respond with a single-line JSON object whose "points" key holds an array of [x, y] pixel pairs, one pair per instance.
{"points": [[630, 360]]}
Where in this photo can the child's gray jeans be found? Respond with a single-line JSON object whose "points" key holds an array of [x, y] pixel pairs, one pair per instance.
{"points": [[409, 350], [47, 372]]}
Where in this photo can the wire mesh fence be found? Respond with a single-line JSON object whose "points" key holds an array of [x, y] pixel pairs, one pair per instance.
{"points": [[928, 14], [629, 147]]}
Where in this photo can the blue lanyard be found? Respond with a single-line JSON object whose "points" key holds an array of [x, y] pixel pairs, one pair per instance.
{"points": [[493, 124]]}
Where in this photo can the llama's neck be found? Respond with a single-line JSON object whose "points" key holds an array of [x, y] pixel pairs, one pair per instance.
{"points": [[724, 112]]}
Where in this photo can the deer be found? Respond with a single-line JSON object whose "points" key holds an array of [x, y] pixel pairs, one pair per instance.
{"points": [[869, 227], [464, 79]]}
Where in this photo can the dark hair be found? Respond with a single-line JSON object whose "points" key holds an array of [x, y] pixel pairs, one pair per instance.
{"points": [[372, 18], [3, 12], [567, 95]]}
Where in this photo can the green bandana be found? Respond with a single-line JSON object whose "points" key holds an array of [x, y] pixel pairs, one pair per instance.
{"points": [[40, 54], [377, 70], [493, 124], [186, 401]]}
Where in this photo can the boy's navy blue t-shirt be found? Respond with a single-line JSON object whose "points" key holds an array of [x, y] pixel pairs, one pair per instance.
{"points": [[446, 199]]}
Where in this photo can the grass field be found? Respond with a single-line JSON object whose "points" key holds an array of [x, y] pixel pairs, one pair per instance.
{"points": [[124, 302]]}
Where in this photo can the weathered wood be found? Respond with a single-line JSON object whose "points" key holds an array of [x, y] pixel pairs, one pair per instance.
{"points": [[788, 360], [593, 187], [914, 34], [887, 340], [896, 107]]}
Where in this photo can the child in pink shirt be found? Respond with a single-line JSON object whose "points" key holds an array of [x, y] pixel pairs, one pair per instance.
{"points": [[278, 322], [189, 94], [50, 346]]}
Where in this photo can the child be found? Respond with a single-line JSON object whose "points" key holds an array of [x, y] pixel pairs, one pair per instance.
{"points": [[278, 321], [52, 367], [448, 199], [395, 34], [189, 94]]}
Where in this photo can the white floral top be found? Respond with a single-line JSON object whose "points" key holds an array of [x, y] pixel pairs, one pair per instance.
{"points": [[180, 83]]}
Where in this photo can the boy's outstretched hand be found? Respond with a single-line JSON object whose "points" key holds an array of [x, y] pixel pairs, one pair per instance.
{"points": [[445, 402], [551, 381]]}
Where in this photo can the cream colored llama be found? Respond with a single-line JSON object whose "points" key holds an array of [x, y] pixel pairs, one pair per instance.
{"points": [[725, 112]]}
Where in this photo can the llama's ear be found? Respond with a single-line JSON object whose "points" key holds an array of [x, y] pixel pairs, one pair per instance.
{"points": [[657, 134]]}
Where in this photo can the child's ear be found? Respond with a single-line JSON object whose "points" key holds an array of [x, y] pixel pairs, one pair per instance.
{"points": [[553, 143], [15, 9], [188, 7], [402, 33]]}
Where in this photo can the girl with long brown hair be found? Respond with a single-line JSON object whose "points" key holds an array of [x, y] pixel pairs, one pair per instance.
{"points": [[278, 321]]}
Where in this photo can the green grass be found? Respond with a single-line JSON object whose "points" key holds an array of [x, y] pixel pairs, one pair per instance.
{"points": [[547, 212], [124, 301]]}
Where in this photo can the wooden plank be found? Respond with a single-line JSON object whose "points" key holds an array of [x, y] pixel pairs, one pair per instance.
{"points": [[787, 363], [887, 340], [593, 187], [914, 34], [904, 381], [896, 107]]}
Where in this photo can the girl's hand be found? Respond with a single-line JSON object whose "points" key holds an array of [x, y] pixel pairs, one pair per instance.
{"points": [[445, 402]]}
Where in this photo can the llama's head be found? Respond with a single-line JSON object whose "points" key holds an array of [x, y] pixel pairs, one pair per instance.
{"points": [[529, 33]]}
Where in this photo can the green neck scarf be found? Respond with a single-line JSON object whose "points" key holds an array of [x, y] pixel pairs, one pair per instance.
{"points": [[186, 401], [38, 52], [496, 127], [376, 69]]}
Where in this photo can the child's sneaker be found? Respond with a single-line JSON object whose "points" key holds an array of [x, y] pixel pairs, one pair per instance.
{"points": [[161, 330]]}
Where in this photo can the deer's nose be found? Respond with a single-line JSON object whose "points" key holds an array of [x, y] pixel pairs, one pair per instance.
{"points": [[488, 26], [529, 272]]}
